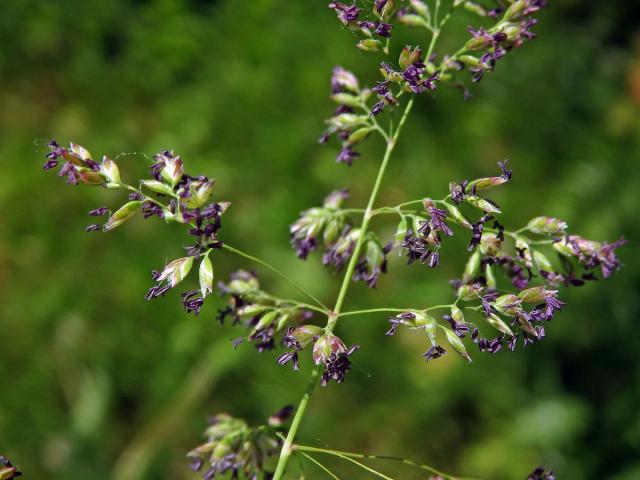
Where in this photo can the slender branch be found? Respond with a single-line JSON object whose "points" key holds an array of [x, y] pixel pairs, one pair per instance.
{"points": [[391, 310], [310, 458], [406, 204], [345, 456], [277, 272], [301, 448], [286, 450], [294, 303]]}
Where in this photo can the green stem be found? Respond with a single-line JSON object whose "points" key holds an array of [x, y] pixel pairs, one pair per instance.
{"points": [[391, 310], [229, 248], [285, 453], [406, 204], [310, 458], [367, 217], [286, 450], [392, 139]]}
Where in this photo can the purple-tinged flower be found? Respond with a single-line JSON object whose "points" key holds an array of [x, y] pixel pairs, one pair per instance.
{"points": [[167, 167], [98, 212], [457, 191], [347, 155], [487, 301], [477, 229], [435, 351], [506, 173], [281, 416], [383, 29], [541, 294], [372, 263], [287, 357], [172, 274], [263, 338], [332, 353], [343, 80], [347, 14], [609, 262], [491, 345], [591, 254], [437, 222], [150, 209], [405, 318], [377, 108], [79, 167], [459, 328], [378, 5], [7, 470], [511, 345], [135, 196], [192, 301], [556, 279], [94, 228], [418, 249], [434, 260], [339, 253], [540, 474]]}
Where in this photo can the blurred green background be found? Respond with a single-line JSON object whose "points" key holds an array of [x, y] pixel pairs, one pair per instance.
{"points": [[97, 383]]}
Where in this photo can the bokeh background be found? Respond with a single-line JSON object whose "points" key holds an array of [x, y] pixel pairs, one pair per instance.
{"points": [[97, 383]]}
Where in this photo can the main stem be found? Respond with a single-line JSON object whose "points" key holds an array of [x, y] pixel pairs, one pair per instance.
{"points": [[368, 214], [286, 450]]}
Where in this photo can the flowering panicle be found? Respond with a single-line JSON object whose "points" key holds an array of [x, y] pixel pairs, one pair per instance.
{"points": [[412, 77], [484, 312], [263, 315], [422, 242], [487, 46], [233, 447], [373, 262], [419, 320], [321, 226], [329, 228], [371, 30], [188, 203], [514, 316], [591, 254], [350, 127]]}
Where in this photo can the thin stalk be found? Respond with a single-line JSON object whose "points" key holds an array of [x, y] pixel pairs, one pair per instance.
{"points": [[286, 450], [365, 467], [310, 458], [345, 456], [406, 204], [277, 272], [391, 310]]}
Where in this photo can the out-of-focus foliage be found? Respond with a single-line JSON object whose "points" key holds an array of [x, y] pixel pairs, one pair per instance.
{"points": [[97, 383]]}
